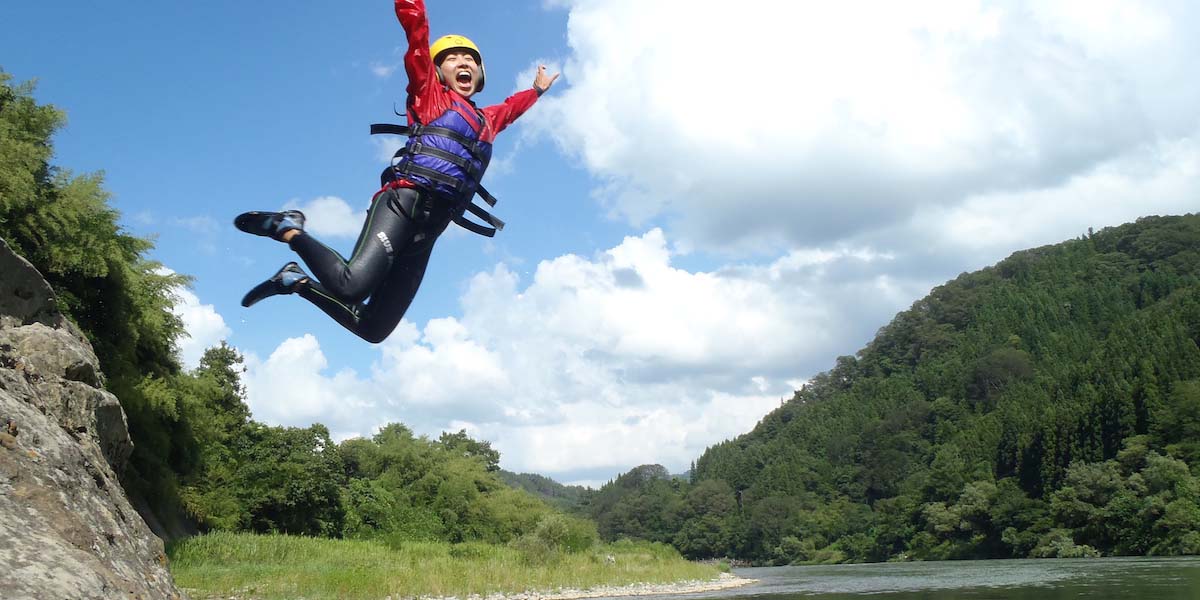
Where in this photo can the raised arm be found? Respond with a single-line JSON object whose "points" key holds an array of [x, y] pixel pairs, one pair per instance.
{"points": [[417, 62], [502, 115]]}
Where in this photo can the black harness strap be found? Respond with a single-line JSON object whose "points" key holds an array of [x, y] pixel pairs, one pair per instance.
{"points": [[490, 199], [405, 166], [416, 129], [464, 164], [486, 216], [474, 227]]}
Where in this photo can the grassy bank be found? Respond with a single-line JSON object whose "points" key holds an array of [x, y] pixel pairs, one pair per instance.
{"points": [[277, 566]]}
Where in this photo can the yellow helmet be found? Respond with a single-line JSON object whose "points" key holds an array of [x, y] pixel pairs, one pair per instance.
{"points": [[456, 42]]}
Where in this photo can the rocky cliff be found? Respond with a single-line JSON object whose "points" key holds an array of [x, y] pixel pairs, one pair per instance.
{"points": [[67, 529]]}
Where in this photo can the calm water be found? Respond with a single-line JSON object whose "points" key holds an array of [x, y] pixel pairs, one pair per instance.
{"points": [[1116, 578]]}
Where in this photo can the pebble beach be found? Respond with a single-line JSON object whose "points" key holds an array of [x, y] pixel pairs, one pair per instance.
{"points": [[725, 581]]}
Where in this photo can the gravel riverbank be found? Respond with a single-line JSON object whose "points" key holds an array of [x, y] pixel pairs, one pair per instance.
{"points": [[725, 581]]}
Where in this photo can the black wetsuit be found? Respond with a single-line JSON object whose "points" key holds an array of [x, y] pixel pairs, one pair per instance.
{"points": [[434, 181], [387, 264]]}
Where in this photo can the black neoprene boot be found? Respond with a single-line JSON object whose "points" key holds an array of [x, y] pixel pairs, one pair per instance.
{"points": [[285, 281], [269, 224]]}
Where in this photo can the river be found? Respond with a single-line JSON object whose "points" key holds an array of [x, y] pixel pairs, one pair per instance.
{"points": [[1108, 578]]}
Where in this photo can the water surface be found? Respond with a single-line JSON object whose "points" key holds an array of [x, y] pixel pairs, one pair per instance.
{"points": [[1110, 578]]}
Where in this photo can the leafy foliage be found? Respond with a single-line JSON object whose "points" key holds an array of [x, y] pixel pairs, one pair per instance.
{"points": [[1046, 406]]}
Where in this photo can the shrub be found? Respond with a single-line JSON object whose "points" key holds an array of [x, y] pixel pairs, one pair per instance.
{"points": [[554, 534], [569, 534], [1058, 543]]}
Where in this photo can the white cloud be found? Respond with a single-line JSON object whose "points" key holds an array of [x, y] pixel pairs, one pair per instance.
{"points": [[203, 326], [632, 305], [784, 124], [330, 216], [851, 154], [599, 364], [289, 388], [1162, 178]]}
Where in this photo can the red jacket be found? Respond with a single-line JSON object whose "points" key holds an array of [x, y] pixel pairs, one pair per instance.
{"points": [[428, 99]]}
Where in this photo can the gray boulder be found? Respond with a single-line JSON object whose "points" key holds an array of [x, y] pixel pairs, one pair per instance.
{"points": [[26, 298], [67, 529]]}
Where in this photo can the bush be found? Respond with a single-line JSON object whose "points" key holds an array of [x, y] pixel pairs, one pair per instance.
{"points": [[569, 534], [555, 534], [370, 509], [1058, 543]]}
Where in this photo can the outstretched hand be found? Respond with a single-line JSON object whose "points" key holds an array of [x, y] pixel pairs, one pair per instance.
{"points": [[541, 81]]}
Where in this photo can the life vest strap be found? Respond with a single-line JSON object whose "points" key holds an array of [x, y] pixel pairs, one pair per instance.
{"points": [[405, 166], [496, 224], [408, 167], [417, 129], [464, 164]]}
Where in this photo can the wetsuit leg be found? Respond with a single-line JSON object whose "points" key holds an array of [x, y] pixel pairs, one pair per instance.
{"points": [[374, 320], [388, 228]]}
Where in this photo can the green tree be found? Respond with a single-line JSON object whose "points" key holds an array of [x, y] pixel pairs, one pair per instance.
{"points": [[216, 417], [710, 519], [462, 445], [997, 370], [371, 510], [1177, 421], [645, 503], [65, 227], [292, 479]]}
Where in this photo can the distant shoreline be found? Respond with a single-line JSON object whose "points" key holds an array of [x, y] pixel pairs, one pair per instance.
{"points": [[724, 581]]}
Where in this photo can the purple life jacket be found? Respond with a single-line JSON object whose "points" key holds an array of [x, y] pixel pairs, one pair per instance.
{"points": [[447, 159]]}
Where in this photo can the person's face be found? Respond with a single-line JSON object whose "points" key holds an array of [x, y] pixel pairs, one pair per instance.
{"points": [[460, 72]]}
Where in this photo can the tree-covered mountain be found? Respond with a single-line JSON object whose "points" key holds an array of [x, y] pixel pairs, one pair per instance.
{"points": [[1046, 406], [571, 498]]}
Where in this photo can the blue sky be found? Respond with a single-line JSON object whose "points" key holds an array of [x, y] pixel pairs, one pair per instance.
{"points": [[711, 205]]}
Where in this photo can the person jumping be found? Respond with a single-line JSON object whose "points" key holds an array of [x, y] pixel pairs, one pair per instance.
{"points": [[430, 183]]}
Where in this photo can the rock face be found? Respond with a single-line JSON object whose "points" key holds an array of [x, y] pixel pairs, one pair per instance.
{"points": [[67, 529]]}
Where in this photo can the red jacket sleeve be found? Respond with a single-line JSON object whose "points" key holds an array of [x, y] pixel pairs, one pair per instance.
{"points": [[425, 101], [502, 115], [417, 62]]}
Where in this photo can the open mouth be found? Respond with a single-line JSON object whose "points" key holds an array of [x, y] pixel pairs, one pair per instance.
{"points": [[463, 77]]}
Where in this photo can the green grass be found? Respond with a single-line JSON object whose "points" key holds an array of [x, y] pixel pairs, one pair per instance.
{"points": [[221, 565]]}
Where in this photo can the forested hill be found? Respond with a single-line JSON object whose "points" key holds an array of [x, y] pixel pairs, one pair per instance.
{"points": [[569, 497], [1046, 406], [986, 392]]}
